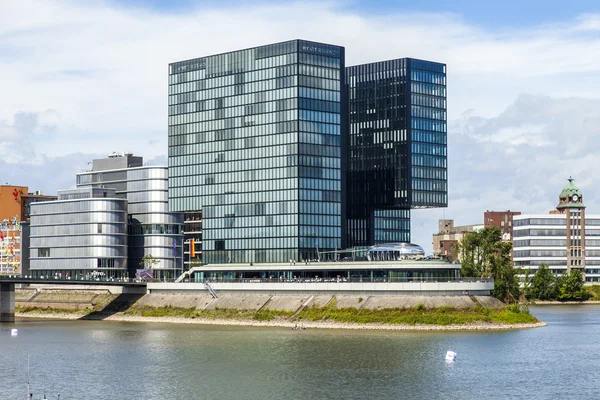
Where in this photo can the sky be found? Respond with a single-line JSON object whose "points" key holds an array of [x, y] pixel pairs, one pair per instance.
{"points": [[81, 80]]}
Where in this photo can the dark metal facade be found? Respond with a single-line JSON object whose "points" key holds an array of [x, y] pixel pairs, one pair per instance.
{"points": [[397, 147]]}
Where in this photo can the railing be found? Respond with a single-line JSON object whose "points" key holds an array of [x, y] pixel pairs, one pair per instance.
{"points": [[68, 279], [346, 280]]}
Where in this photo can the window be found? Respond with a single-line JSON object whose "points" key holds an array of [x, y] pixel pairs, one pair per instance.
{"points": [[219, 245], [99, 228], [44, 252]]}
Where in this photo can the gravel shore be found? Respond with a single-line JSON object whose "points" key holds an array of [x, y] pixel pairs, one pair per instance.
{"points": [[286, 324]]}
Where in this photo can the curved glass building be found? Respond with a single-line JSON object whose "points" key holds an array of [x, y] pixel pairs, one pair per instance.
{"points": [[395, 251], [82, 234], [153, 230]]}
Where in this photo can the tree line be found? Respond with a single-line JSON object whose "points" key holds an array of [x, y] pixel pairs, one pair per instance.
{"points": [[485, 254]]}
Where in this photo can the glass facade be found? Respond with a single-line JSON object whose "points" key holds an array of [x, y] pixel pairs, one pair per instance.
{"points": [[254, 143], [152, 229], [397, 147], [83, 234]]}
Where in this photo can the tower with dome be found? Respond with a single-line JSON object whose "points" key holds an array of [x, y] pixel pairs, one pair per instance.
{"points": [[570, 203]]}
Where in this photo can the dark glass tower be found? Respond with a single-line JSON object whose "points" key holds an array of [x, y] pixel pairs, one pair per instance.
{"points": [[254, 144], [397, 147]]}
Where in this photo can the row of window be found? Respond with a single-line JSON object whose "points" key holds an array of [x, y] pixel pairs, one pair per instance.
{"points": [[237, 122], [550, 232], [552, 221], [428, 101], [234, 221], [428, 77], [91, 205], [79, 229], [551, 243], [201, 82], [429, 173], [431, 185], [205, 174], [429, 137], [268, 151], [426, 148], [423, 124], [429, 199], [428, 88], [155, 229], [203, 200], [429, 161], [220, 140], [427, 112], [251, 238], [191, 177]]}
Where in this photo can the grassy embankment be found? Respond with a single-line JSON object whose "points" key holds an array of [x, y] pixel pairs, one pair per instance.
{"points": [[50, 310], [420, 315]]}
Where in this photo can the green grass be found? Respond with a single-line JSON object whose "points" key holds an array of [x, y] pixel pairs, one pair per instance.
{"points": [[217, 313], [50, 310], [418, 315], [594, 291]]}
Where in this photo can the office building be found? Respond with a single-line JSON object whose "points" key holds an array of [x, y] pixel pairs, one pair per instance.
{"points": [[289, 155], [152, 229], [192, 233], [83, 234], [445, 241], [11, 246], [255, 144], [502, 220], [15, 201], [397, 156], [564, 239]]}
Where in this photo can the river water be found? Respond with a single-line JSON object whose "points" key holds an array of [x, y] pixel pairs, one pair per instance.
{"points": [[114, 360]]}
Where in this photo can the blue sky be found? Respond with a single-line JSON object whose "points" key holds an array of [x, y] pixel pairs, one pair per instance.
{"points": [[491, 14], [87, 78]]}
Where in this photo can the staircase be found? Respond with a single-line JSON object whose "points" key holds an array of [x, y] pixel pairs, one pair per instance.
{"points": [[210, 290]]}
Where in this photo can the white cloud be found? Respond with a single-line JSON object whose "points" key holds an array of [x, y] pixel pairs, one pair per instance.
{"points": [[103, 70]]}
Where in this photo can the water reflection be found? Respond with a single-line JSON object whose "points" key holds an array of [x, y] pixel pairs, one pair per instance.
{"points": [[109, 360]]}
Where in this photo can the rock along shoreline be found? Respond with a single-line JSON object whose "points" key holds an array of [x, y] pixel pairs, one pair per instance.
{"points": [[483, 326]]}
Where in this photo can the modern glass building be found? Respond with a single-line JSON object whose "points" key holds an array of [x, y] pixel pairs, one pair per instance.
{"points": [[255, 144], [83, 234], [397, 156], [152, 229]]}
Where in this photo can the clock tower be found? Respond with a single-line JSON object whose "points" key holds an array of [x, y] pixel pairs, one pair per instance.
{"points": [[570, 202]]}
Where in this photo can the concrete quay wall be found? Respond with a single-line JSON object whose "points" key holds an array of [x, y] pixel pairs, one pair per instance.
{"points": [[454, 288]]}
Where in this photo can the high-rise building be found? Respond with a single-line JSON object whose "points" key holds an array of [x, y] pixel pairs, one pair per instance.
{"points": [[255, 144], [288, 154], [397, 156]]}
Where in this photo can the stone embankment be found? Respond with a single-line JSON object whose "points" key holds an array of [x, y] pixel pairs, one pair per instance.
{"points": [[101, 305]]}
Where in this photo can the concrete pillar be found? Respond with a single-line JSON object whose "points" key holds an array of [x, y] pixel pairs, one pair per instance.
{"points": [[7, 302]]}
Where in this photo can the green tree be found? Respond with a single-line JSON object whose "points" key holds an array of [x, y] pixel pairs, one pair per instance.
{"points": [[484, 253], [572, 287], [475, 250], [543, 285], [149, 262], [506, 282]]}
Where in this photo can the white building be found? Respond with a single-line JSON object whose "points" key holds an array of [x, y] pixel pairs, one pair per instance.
{"points": [[563, 239]]}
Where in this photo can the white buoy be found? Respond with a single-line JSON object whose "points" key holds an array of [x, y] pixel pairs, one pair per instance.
{"points": [[450, 356], [14, 332]]}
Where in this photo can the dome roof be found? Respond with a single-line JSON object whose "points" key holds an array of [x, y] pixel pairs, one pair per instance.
{"points": [[403, 248], [570, 196]]}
